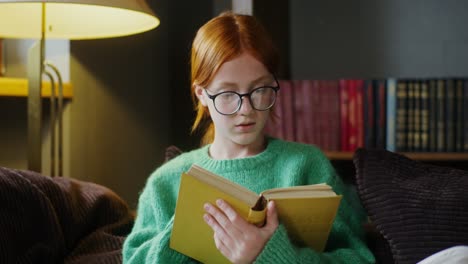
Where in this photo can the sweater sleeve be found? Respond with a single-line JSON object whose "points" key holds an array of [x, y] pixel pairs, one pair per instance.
{"points": [[149, 240], [346, 243]]}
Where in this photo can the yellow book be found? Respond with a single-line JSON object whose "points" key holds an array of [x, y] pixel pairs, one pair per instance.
{"points": [[306, 211]]}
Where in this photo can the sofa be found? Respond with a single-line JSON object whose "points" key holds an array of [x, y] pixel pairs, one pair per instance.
{"points": [[59, 220], [415, 209]]}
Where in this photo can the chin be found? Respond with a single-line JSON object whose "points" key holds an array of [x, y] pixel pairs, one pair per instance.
{"points": [[247, 139]]}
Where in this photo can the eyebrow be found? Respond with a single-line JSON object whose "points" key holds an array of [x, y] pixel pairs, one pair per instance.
{"points": [[254, 82]]}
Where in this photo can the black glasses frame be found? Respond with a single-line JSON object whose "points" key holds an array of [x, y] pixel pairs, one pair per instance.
{"points": [[249, 94]]}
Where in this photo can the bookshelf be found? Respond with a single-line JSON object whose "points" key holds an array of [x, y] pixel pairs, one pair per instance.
{"points": [[18, 87], [371, 40], [422, 156]]}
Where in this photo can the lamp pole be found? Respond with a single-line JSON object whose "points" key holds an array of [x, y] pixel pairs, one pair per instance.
{"points": [[35, 68]]}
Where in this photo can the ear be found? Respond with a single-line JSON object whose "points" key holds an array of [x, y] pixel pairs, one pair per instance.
{"points": [[200, 93]]}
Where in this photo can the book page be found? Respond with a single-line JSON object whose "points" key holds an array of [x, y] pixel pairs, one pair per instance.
{"points": [[224, 185], [302, 191]]}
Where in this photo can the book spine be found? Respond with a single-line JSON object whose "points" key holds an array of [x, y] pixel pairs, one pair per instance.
{"points": [[324, 115], [335, 105], [289, 121], [441, 115], [344, 102], [424, 115], [352, 116], [417, 116], [275, 124], [309, 105], [432, 115], [359, 113], [380, 114], [391, 114], [459, 116], [449, 116], [410, 116], [402, 97], [369, 118], [257, 217], [465, 116], [316, 96]]}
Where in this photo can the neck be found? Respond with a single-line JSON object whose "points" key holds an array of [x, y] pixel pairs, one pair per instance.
{"points": [[231, 150]]}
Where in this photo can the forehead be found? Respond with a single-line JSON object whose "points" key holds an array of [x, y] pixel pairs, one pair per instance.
{"points": [[241, 70]]}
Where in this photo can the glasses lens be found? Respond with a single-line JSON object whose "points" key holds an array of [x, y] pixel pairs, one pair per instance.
{"points": [[227, 103], [263, 98]]}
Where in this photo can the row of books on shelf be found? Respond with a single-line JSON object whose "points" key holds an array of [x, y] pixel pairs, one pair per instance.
{"points": [[404, 115]]}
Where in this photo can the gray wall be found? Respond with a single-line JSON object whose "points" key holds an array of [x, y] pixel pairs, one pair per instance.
{"points": [[378, 39]]}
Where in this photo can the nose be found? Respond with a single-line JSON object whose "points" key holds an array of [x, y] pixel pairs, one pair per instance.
{"points": [[246, 106]]}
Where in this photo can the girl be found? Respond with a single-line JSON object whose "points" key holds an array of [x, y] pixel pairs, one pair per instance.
{"points": [[234, 88]]}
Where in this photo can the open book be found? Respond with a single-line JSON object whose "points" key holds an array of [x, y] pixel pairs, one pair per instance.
{"points": [[306, 211]]}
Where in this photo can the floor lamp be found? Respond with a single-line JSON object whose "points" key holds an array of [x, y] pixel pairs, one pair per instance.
{"points": [[64, 19]]}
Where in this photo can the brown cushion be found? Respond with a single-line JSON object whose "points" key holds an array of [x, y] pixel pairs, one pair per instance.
{"points": [[418, 208]]}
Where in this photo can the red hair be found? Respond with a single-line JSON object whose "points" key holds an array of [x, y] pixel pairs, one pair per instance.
{"points": [[222, 39]]}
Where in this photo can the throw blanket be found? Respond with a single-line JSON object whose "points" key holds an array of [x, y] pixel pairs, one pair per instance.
{"points": [[59, 220]]}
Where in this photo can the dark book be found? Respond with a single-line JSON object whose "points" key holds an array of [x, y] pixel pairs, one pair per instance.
{"points": [[401, 115], [410, 117], [369, 117], [432, 115], [459, 115], [441, 115], [417, 115], [465, 116], [424, 114], [450, 115], [380, 113]]}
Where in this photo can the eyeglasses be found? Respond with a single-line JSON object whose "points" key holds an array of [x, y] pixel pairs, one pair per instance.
{"points": [[230, 102]]}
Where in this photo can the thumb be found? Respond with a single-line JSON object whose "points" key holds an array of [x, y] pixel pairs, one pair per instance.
{"points": [[272, 216]]}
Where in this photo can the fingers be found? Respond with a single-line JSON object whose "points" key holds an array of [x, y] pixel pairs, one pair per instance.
{"points": [[272, 216], [221, 219]]}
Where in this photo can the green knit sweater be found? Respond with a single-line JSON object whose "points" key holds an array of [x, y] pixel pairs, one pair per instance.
{"points": [[281, 164]]}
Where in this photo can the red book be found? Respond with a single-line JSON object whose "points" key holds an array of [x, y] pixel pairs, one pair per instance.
{"points": [[299, 111], [334, 101], [344, 105], [309, 99], [324, 123], [359, 113], [275, 124], [287, 114], [352, 116]]}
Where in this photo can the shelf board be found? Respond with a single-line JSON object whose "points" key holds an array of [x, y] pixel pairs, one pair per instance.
{"points": [[423, 156], [18, 87]]}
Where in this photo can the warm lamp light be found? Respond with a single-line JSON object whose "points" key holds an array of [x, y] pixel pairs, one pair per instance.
{"points": [[65, 19], [79, 19]]}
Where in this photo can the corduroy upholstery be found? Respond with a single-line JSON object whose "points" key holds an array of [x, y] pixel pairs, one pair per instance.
{"points": [[59, 220], [419, 208]]}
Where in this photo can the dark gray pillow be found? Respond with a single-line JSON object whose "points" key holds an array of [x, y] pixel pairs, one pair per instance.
{"points": [[419, 208]]}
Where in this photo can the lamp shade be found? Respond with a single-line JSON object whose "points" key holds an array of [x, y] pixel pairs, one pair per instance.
{"points": [[75, 19]]}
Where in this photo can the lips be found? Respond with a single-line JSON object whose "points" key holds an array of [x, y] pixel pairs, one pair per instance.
{"points": [[245, 127], [245, 124]]}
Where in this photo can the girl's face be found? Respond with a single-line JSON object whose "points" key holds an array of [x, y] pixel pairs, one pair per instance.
{"points": [[245, 127]]}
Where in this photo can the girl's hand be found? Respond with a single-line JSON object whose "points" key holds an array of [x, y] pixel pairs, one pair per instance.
{"points": [[238, 240]]}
